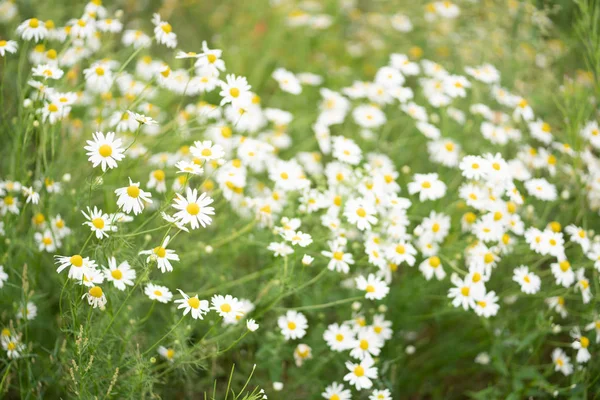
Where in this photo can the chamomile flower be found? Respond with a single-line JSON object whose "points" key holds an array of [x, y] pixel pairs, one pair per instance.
{"points": [[251, 325], [581, 344], [13, 346], [95, 297], [167, 353], [563, 273], [302, 353], [487, 305], [530, 282], [374, 287], [198, 308], [193, 209], [159, 293], [384, 394], [428, 186], [77, 265], [583, 285], [340, 261], [104, 150], [228, 307], [7, 46], [162, 255], [187, 167], [293, 325], [366, 344], [163, 32], [361, 374], [462, 293], [46, 241], [235, 90], [562, 362], [207, 151], [338, 337], [336, 391], [32, 29], [431, 267], [361, 213], [99, 222], [121, 275], [132, 198]]}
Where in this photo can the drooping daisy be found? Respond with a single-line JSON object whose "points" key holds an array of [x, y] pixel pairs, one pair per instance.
{"points": [[302, 353], [158, 293], [32, 28], [162, 256], [167, 353], [95, 297], [77, 265], [99, 222], [581, 344], [132, 198], [193, 209], [104, 150], [194, 305], [121, 275], [293, 325], [7, 46]]}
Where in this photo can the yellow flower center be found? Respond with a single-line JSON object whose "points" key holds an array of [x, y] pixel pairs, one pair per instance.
{"points": [[194, 302], [167, 28], [291, 325], [105, 150], [370, 289], [564, 265], [98, 223], [426, 185], [159, 175], [160, 251], [464, 291], [157, 293], [170, 353], [47, 241], [337, 200], [96, 292], [339, 337], [34, 23], [585, 342], [133, 191], [206, 152], [99, 71], [400, 249], [225, 308], [11, 346], [364, 344], [361, 212], [359, 371], [434, 261], [234, 92], [117, 274], [193, 208], [76, 260], [211, 58], [436, 227], [488, 258], [338, 255]]}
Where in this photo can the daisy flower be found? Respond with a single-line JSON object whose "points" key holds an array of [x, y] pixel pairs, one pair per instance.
{"points": [[132, 198], [157, 180], [99, 222], [530, 282], [581, 344], [361, 213], [384, 394], [428, 186], [432, 266], [95, 297], [104, 150], [228, 307], [360, 374], [461, 294], [13, 346], [562, 362], [563, 273], [193, 209], [163, 31], [29, 311], [158, 293], [46, 241], [207, 151], [210, 60], [375, 288], [162, 256], [339, 260], [192, 304], [7, 46], [293, 325], [583, 285], [302, 353], [32, 28], [366, 344], [251, 325], [187, 167], [167, 353], [235, 90], [487, 305], [121, 276], [338, 337], [77, 265], [3, 276], [142, 119], [336, 391]]}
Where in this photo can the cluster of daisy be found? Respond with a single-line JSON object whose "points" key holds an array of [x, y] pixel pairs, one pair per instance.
{"points": [[352, 213]]}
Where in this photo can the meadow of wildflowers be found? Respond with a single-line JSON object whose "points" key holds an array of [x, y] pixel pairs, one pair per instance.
{"points": [[284, 199]]}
